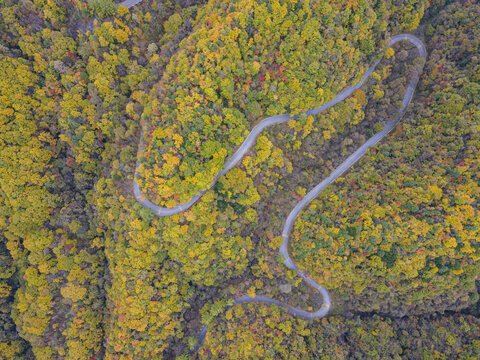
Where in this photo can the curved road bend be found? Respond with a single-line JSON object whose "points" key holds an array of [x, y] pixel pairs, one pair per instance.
{"points": [[352, 159], [312, 194]]}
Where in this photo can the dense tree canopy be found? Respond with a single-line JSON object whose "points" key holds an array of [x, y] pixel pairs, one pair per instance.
{"points": [[87, 272]]}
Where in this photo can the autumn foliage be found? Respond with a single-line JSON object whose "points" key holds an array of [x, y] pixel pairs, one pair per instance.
{"points": [[87, 272]]}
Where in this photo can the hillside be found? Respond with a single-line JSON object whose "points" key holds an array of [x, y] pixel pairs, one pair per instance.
{"points": [[89, 90]]}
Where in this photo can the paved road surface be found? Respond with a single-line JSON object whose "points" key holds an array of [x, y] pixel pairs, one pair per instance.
{"points": [[130, 3], [312, 194], [352, 159]]}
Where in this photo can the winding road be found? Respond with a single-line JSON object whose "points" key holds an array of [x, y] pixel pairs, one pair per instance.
{"points": [[312, 194]]}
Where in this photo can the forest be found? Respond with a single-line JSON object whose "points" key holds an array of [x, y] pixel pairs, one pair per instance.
{"points": [[88, 272]]}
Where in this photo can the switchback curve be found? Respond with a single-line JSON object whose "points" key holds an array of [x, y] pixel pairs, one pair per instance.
{"points": [[312, 194], [352, 159]]}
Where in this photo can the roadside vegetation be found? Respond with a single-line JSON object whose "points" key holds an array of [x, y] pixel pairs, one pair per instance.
{"points": [[86, 272]]}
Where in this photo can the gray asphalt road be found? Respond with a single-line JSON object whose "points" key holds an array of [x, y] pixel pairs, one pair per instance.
{"points": [[130, 3], [248, 143]]}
